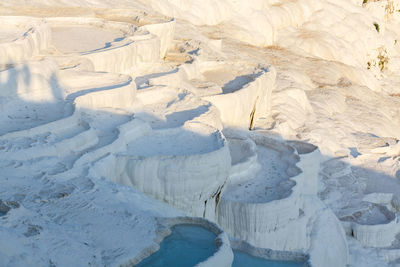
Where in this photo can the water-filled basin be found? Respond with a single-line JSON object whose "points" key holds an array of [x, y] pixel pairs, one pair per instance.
{"points": [[186, 246], [243, 259]]}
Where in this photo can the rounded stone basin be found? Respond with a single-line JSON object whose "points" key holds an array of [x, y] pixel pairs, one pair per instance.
{"points": [[271, 183], [230, 77], [243, 259], [177, 142], [187, 241], [258, 208], [187, 245], [223, 78], [372, 214], [80, 39]]}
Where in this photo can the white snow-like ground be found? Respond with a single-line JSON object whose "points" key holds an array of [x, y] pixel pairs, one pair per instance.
{"points": [[116, 114]]}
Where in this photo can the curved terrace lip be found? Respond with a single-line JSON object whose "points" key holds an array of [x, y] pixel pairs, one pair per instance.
{"points": [[269, 254], [302, 147], [369, 217], [280, 191], [165, 143], [238, 158], [24, 44], [165, 229], [286, 195], [12, 33], [106, 38], [232, 81]]}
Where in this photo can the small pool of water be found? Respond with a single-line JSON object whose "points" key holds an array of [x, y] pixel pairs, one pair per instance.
{"points": [[242, 259], [187, 246]]}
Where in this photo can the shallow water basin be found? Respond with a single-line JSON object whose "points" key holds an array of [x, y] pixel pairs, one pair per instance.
{"points": [[186, 246]]}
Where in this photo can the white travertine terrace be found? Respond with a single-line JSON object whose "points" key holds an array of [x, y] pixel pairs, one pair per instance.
{"points": [[113, 46], [29, 39], [242, 94], [192, 170], [108, 111], [187, 171], [377, 224], [281, 205]]}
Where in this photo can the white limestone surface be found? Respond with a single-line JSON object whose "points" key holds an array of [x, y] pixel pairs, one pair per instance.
{"points": [[244, 159], [22, 38], [280, 217], [377, 223], [34, 81], [187, 171], [261, 208], [165, 32], [336, 86], [246, 101], [174, 107], [111, 46]]}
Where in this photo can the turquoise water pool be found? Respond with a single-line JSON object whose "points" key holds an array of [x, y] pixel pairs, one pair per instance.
{"points": [[243, 259], [187, 246]]}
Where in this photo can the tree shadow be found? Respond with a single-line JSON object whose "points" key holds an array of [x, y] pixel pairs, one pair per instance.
{"points": [[18, 83]]}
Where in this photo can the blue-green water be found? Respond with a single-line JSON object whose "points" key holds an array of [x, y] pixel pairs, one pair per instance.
{"points": [[245, 260], [187, 246]]}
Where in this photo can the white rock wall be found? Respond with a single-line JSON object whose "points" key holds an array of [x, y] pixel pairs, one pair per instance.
{"points": [[165, 32], [120, 97], [299, 222], [328, 244], [184, 181], [381, 235], [36, 38], [247, 164], [139, 47], [236, 107]]}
